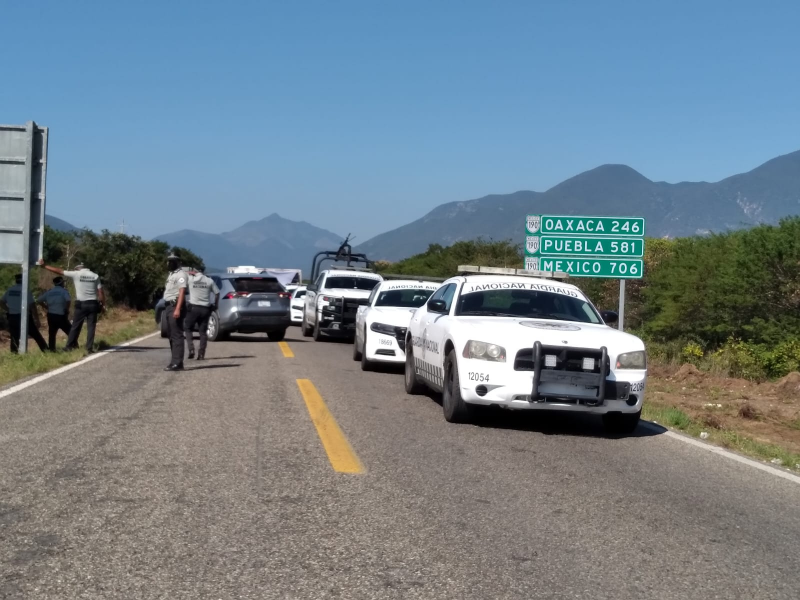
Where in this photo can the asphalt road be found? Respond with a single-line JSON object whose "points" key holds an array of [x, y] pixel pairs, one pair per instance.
{"points": [[118, 480]]}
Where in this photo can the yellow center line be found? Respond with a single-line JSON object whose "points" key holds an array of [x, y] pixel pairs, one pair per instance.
{"points": [[341, 455], [287, 351]]}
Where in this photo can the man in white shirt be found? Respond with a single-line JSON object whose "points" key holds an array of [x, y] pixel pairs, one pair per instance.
{"points": [[57, 301]]}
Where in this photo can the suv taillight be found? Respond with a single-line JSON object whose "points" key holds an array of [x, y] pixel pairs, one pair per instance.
{"points": [[234, 295], [284, 295]]}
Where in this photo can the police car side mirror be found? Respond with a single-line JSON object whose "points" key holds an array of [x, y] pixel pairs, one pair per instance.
{"points": [[437, 306], [609, 316], [311, 287]]}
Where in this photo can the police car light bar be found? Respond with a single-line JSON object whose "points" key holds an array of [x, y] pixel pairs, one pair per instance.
{"points": [[414, 277], [476, 270], [351, 268]]}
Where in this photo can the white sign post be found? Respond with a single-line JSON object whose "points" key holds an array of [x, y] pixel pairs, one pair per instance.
{"points": [[23, 174]]}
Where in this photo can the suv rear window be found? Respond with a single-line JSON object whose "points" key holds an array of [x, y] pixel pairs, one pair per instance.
{"points": [[257, 285], [350, 283]]}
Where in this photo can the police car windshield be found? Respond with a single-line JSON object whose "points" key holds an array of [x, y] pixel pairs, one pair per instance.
{"points": [[527, 304], [257, 285], [350, 283], [410, 298]]}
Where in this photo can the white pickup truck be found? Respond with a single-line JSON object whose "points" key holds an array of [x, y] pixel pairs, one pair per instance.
{"points": [[331, 302]]}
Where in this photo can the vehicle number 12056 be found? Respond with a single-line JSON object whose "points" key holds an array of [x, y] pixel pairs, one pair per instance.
{"points": [[479, 377]]}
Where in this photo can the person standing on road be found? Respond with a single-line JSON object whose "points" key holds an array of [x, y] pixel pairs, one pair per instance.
{"points": [[89, 301], [174, 306], [203, 298], [12, 300], [57, 301]]}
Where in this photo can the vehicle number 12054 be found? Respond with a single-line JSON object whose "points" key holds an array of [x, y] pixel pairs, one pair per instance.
{"points": [[479, 377]]}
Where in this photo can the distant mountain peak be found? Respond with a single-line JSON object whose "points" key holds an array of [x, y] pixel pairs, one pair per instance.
{"points": [[763, 195]]}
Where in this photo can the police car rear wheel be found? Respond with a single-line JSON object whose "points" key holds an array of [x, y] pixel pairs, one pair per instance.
{"points": [[317, 332], [621, 423], [413, 385], [454, 407]]}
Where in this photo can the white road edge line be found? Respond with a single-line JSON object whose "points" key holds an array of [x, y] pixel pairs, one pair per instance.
{"points": [[722, 452], [65, 368]]}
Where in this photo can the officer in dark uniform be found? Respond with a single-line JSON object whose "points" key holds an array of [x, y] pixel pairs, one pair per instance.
{"points": [[57, 301], [175, 309], [12, 300]]}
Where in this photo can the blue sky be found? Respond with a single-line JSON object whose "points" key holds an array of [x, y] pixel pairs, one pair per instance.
{"points": [[360, 116]]}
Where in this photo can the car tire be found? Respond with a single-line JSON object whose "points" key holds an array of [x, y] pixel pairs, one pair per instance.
{"points": [[304, 328], [317, 333], [413, 385], [213, 332], [164, 324], [276, 336], [621, 423], [366, 365], [356, 354], [453, 405]]}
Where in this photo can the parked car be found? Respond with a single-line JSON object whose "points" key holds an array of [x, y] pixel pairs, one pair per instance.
{"points": [[248, 303], [297, 303]]}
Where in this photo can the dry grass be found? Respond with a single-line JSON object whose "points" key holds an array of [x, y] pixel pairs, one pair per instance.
{"points": [[759, 419]]}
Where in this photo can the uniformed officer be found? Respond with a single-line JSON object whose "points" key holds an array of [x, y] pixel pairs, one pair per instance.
{"points": [[174, 301], [12, 300], [89, 301], [203, 298], [57, 301]]}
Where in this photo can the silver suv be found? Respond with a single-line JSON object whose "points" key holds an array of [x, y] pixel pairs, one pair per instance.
{"points": [[249, 303]]}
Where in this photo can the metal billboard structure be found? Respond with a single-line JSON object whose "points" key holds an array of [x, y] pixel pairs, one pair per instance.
{"points": [[23, 176]]}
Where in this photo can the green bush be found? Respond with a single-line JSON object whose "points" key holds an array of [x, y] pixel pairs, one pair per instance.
{"points": [[784, 359], [692, 353], [738, 359]]}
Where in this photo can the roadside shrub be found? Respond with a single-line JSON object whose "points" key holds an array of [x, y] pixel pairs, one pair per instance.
{"points": [[738, 359], [692, 353], [784, 359]]}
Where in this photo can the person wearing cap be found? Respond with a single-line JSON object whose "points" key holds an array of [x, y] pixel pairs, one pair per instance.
{"points": [[89, 301], [175, 309], [12, 301], [203, 299], [57, 301]]}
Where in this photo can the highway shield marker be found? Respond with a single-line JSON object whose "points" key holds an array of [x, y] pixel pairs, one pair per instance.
{"points": [[341, 455]]}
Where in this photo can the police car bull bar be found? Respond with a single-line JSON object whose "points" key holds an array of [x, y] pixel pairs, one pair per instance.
{"points": [[592, 388], [477, 270]]}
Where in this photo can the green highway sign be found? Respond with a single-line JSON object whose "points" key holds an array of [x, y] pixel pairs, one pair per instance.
{"points": [[568, 245], [615, 268], [572, 225]]}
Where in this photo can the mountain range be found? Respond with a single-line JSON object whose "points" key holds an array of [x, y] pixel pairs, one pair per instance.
{"points": [[270, 242], [763, 195]]}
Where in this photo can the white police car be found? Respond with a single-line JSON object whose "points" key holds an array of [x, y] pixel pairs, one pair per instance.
{"points": [[503, 337], [382, 323]]}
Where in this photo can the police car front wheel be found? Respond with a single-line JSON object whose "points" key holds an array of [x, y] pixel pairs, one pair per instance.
{"points": [[621, 423], [455, 409]]}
